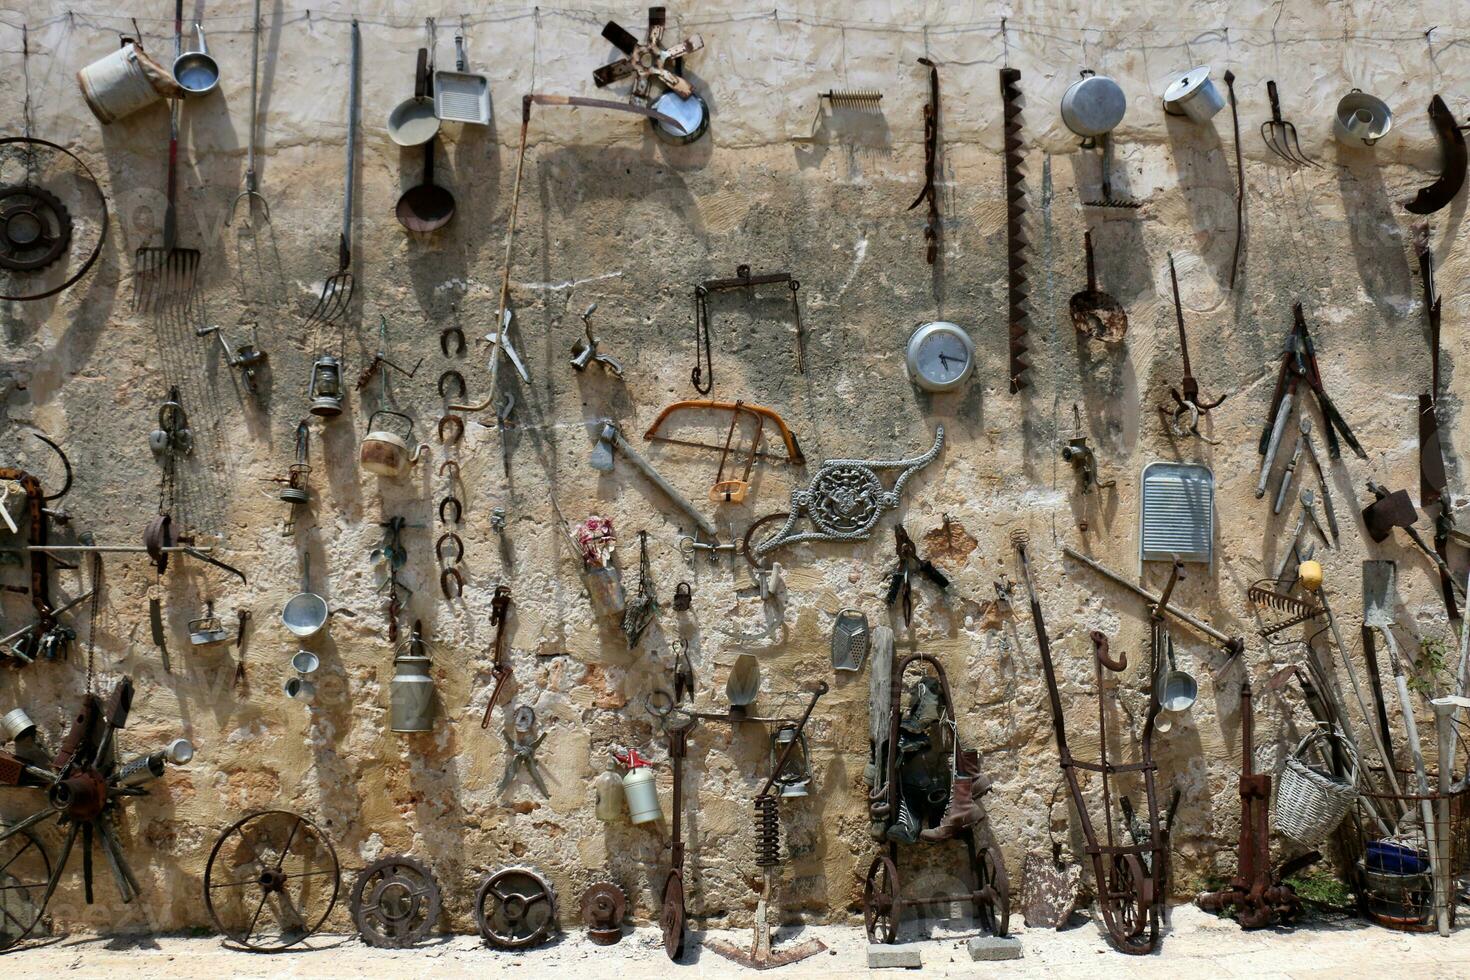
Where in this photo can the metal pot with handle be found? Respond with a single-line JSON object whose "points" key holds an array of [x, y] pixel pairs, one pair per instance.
{"points": [[386, 453]]}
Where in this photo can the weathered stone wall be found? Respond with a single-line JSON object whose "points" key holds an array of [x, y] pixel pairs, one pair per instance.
{"points": [[611, 216]]}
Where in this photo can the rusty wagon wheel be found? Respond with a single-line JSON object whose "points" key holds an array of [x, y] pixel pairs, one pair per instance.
{"points": [[271, 881], [994, 886], [671, 918], [25, 874], [882, 901], [1128, 906], [515, 908]]}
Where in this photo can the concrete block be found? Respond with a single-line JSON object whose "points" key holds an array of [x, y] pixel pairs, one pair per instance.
{"points": [[882, 957], [988, 948]]}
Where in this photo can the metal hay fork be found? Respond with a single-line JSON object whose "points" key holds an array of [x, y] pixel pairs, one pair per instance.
{"points": [[337, 290], [1280, 135]]}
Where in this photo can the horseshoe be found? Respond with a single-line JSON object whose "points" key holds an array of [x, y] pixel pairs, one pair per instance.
{"points": [[444, 505], [451, 575], [449, 536], [458, 336], [454, 423], [453, 466], [457, 378], [1452, 177]]}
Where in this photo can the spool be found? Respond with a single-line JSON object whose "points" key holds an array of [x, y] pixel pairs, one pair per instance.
{"points": [[124, 82]]}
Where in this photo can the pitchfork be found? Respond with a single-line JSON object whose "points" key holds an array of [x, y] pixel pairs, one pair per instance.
{"points": [[337, 290], [163, 277], [1280, 135]]}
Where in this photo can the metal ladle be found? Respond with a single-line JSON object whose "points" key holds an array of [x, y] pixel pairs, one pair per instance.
{"points": [[305, 613], [196, 71], [1177, 692]]}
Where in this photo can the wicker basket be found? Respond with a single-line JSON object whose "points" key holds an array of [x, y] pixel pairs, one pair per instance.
{"points": [[1310, 804]]}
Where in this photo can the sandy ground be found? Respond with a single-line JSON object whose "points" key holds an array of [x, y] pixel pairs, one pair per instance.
{"points": [[1198, 946]]}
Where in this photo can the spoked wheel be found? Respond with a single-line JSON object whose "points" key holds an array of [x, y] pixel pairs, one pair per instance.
{"points": [[671, 920], [396, 902], [271, 881], [994, 886], [515, 908], [882, 905], [25, 873], [1128, 905]]}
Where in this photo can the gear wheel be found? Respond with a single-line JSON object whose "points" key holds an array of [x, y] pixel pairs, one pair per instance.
{"points": [[396, 902], [35, 228], [515, 908], [603, 906]]}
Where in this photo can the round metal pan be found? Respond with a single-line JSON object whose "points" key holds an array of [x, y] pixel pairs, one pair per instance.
{"points": [[426, 207], [412, 121]]}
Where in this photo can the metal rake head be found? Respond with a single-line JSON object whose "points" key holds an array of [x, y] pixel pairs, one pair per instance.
{"points": [[163, 278], [335, 298], [1280, 136]]}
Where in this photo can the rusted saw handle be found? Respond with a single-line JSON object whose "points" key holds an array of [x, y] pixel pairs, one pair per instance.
{"points": [[794, 454], [1100, 651]]}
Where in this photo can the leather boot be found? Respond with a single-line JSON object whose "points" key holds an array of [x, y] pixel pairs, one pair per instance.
{"points": [[905, 829], [963, 810]]}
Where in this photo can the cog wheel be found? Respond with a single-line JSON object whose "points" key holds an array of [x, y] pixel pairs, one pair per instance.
{"points": [[396, 902], [35, 228], [603, 906], [515, 908]]}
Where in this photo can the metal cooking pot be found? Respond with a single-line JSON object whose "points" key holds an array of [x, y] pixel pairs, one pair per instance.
{"points": [[196, 71], [386, 453], [1093, 105], [1194, 95], [1361, 119]]}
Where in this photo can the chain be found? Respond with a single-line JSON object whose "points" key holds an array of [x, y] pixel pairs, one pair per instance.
{"points": [[92, 621]]}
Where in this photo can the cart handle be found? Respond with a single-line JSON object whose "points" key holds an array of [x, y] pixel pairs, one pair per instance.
{"points": [[1100, 650]]}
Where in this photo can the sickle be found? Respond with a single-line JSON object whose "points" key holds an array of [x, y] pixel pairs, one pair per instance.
{"points": [[64, 462], [1452, 177]]}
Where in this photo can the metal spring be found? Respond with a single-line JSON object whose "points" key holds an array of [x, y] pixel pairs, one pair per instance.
{"points": [[767, 830], [854, 98], [1020, 537]]}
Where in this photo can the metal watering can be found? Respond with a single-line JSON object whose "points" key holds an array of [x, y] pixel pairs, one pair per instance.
{"points": [[386, 453]]}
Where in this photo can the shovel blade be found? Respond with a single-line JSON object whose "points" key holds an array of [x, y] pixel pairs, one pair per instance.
{"points": [[1378, 580]]}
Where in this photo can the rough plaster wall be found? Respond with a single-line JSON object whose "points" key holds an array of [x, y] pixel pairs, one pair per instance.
{"points": [[609, 215]]}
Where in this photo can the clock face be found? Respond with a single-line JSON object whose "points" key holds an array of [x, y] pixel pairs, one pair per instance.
{"points": [[940, 356]]}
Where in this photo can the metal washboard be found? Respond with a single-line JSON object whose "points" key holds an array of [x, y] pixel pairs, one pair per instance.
{"points": [[1177, 518]]}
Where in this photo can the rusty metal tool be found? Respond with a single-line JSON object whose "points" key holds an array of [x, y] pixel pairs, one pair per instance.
{"points": [[1451, 178], [1260, 896], [1433, 480], [1107, 200], [337, 289], [767, 806], [1299, 364], [1239, 179], [1130, 897], [1019, 320], [520, 750], [703, 358], [1308, 514], [1083, 459], [1304, 426], [163, 275], [900, 580], [1391, 510], [584, 351], [1280, 135], [1096, 314], [928, 193], [1230, 644], [733, 490], [501, 672], [1187, 400], [250, 193]]}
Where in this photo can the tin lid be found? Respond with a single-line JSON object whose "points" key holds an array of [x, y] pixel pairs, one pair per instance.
{"points": [[1186, 85]]}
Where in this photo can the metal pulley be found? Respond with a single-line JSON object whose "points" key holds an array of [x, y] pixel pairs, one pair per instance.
{"points": [[603, 907], [396, 902], [173, 437]]}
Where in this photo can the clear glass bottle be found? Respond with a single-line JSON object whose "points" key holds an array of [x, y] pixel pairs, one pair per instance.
{"points": [[608, 788]]}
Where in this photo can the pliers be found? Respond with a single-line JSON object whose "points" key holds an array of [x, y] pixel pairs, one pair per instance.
{"points": [[899, 580]]}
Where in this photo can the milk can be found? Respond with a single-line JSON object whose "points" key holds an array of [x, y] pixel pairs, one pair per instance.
{"points": [[412, 689], [638, 787]]}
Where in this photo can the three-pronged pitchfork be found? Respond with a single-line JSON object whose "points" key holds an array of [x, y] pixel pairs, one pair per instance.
{"points": [[337, 290]]}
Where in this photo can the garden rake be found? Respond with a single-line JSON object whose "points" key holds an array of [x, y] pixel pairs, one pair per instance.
{"points": [[337, 290]]}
